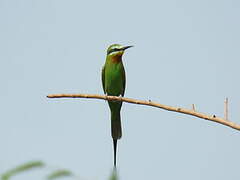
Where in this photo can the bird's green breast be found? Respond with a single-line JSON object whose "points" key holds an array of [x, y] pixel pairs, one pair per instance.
{"points": [[114, 78]]}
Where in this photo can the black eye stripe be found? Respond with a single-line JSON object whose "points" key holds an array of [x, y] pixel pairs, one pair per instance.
{"points": [[113, 50]]}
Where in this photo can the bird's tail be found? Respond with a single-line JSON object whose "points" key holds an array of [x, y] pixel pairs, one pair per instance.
{"points": [[116, 125], [115, 151], [116, 131]]}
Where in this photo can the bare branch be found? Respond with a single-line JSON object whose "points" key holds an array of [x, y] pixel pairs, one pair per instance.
{"points": [[153, 104]]}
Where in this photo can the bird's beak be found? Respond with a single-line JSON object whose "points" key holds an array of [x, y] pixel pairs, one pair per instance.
{"points": [[126, 47]]}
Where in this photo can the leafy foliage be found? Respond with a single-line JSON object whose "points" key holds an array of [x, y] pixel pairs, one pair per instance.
{"points": [[114, 175], [52, 176], [59, 173], [22, 168]]}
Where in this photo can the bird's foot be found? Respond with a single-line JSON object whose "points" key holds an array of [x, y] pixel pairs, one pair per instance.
{"points": [[120, 96]]}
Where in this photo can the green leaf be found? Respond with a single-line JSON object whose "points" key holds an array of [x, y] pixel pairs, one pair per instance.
{"points": [[22, 168], [59, 173], [114, 175]]}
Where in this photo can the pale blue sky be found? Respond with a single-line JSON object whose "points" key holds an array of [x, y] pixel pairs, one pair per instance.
{"points": [[184, 52]]}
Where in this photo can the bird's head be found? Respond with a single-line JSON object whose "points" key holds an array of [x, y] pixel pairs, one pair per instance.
{"points": [[116, 50]]}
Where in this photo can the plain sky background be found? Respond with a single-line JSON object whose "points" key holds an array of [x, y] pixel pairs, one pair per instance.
{"points": [[184, 52]]}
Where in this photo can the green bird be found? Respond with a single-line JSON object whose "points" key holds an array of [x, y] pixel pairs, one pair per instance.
{"points": [[114, 83]]}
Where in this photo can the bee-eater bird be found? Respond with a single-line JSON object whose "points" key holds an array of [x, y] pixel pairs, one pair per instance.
{"points": [[114, 83]]}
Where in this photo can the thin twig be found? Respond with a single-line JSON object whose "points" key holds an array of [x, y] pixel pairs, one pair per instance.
{"points": [[193, 107], [153, 104], [226, 109]]}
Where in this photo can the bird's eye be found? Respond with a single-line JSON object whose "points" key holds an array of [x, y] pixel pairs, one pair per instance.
{"points": [[113, 50]]}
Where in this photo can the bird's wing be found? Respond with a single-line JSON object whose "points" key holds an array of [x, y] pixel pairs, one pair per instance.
{"points": [[103, 79], [124, 81]]}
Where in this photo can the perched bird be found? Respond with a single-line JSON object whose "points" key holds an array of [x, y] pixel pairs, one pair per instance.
{"points": [[114, 83]]}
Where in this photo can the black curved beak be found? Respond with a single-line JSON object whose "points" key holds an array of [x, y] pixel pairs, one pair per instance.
{"points": [[126, 47]]}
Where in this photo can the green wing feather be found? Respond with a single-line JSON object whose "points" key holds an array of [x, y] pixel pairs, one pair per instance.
{"points": [[103, 79], [124, 81]]}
